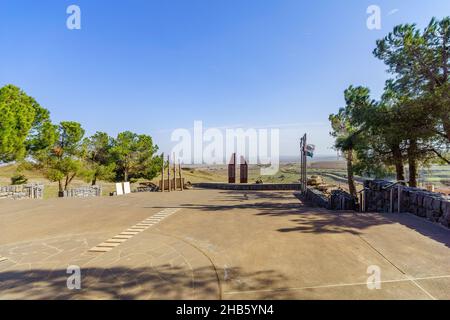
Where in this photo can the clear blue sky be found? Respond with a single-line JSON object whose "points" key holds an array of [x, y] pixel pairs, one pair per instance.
{"points": [[151, 66]]}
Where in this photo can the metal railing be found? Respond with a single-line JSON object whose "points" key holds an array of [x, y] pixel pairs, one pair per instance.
{"points": [[362, 199], [390, 187]]}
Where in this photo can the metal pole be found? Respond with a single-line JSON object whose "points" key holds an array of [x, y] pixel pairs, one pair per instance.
{"points": [[305, 163], [364, 200], [302, 152], [392, 201], [301, 164], [361, 202], [162, 174]]}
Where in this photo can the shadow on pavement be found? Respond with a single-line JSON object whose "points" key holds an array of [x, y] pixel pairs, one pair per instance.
{"points": [[118, 283], [317, 220]]}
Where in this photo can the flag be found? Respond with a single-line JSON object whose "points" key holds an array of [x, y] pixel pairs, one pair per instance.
{"points": [[310, 148]]}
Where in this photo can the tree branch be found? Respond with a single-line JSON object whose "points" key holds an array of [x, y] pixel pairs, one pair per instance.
{"points": [[440, 156]]}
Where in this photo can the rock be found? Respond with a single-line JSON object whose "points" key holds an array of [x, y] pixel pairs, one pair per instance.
{"points": [[428, 203], [31, 191], [82, 192], [437, 203], [445, 218], [433, 215], [420, 202], [315, 181]]}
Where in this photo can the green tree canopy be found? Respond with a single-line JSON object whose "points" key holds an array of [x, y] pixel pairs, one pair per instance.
{"points": [[62, 161], [99, 159], [21, 118], [135, 156], [348, 127], [420, 63]]}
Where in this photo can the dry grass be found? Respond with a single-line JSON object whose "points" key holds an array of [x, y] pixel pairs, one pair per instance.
{"points": [[51, 188], [332, 172]]}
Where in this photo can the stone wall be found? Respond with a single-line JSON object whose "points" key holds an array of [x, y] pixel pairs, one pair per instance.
{"points": [[29, 191], [253, 187], [82, 192], [432, 206], [315, 197], [341, 200]]}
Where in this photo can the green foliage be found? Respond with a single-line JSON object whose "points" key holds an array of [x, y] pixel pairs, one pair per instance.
{"points": [[99, 160], [348, 124], [20, 117], [418, 59], [18, 179], [420, 62], [135, 156], [348, 128], [26, 133], [62, 160], [43, 139], [412, 120]]}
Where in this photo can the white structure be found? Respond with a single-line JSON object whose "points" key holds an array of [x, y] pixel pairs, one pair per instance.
{"points": [[126, 188], [119, 189]]}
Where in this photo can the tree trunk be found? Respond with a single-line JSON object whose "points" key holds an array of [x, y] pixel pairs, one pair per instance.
{"points": [[69, 180], [125, 175], [94, 181], [412, 162], [67, 183], [351, 178], [60, 186], [398, 161]]}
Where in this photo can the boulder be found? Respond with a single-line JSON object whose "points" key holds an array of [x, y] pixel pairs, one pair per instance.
{"points": [[445, 217]]}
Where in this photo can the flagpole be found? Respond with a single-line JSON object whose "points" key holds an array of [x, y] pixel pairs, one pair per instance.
{"points": [[305, 162], [301, 163]]}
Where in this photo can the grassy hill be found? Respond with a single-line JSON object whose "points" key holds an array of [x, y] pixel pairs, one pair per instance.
{"points": [[332, 173]]}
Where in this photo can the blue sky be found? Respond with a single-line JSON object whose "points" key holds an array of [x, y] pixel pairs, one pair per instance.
{"points": [[152, 66]]}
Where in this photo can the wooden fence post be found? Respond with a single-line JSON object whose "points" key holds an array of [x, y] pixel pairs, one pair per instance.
{"points": [[168, 173], [181, 175], [174, 173]]}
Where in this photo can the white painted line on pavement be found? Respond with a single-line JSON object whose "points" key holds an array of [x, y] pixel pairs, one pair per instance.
{"points": [[338, 285], [131, 232]]}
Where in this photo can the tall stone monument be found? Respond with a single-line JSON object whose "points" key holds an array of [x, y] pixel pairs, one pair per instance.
{"points": [[232, 169], [243, 170]]}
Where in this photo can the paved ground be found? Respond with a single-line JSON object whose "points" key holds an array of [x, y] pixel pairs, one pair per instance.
{"points": [[207, 244]]}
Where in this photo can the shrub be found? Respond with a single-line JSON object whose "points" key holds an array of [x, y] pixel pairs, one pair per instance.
{"points": [[18, 179]]}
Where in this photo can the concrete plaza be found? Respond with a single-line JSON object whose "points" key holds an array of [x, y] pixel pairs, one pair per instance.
{"points": [[212, 244]]}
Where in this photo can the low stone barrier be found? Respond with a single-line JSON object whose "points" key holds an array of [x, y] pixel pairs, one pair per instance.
{"points": [[379, 197], [148, 187], [314, 197], [82, 192], [28, 191], [341, 200], [249, 187]]}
